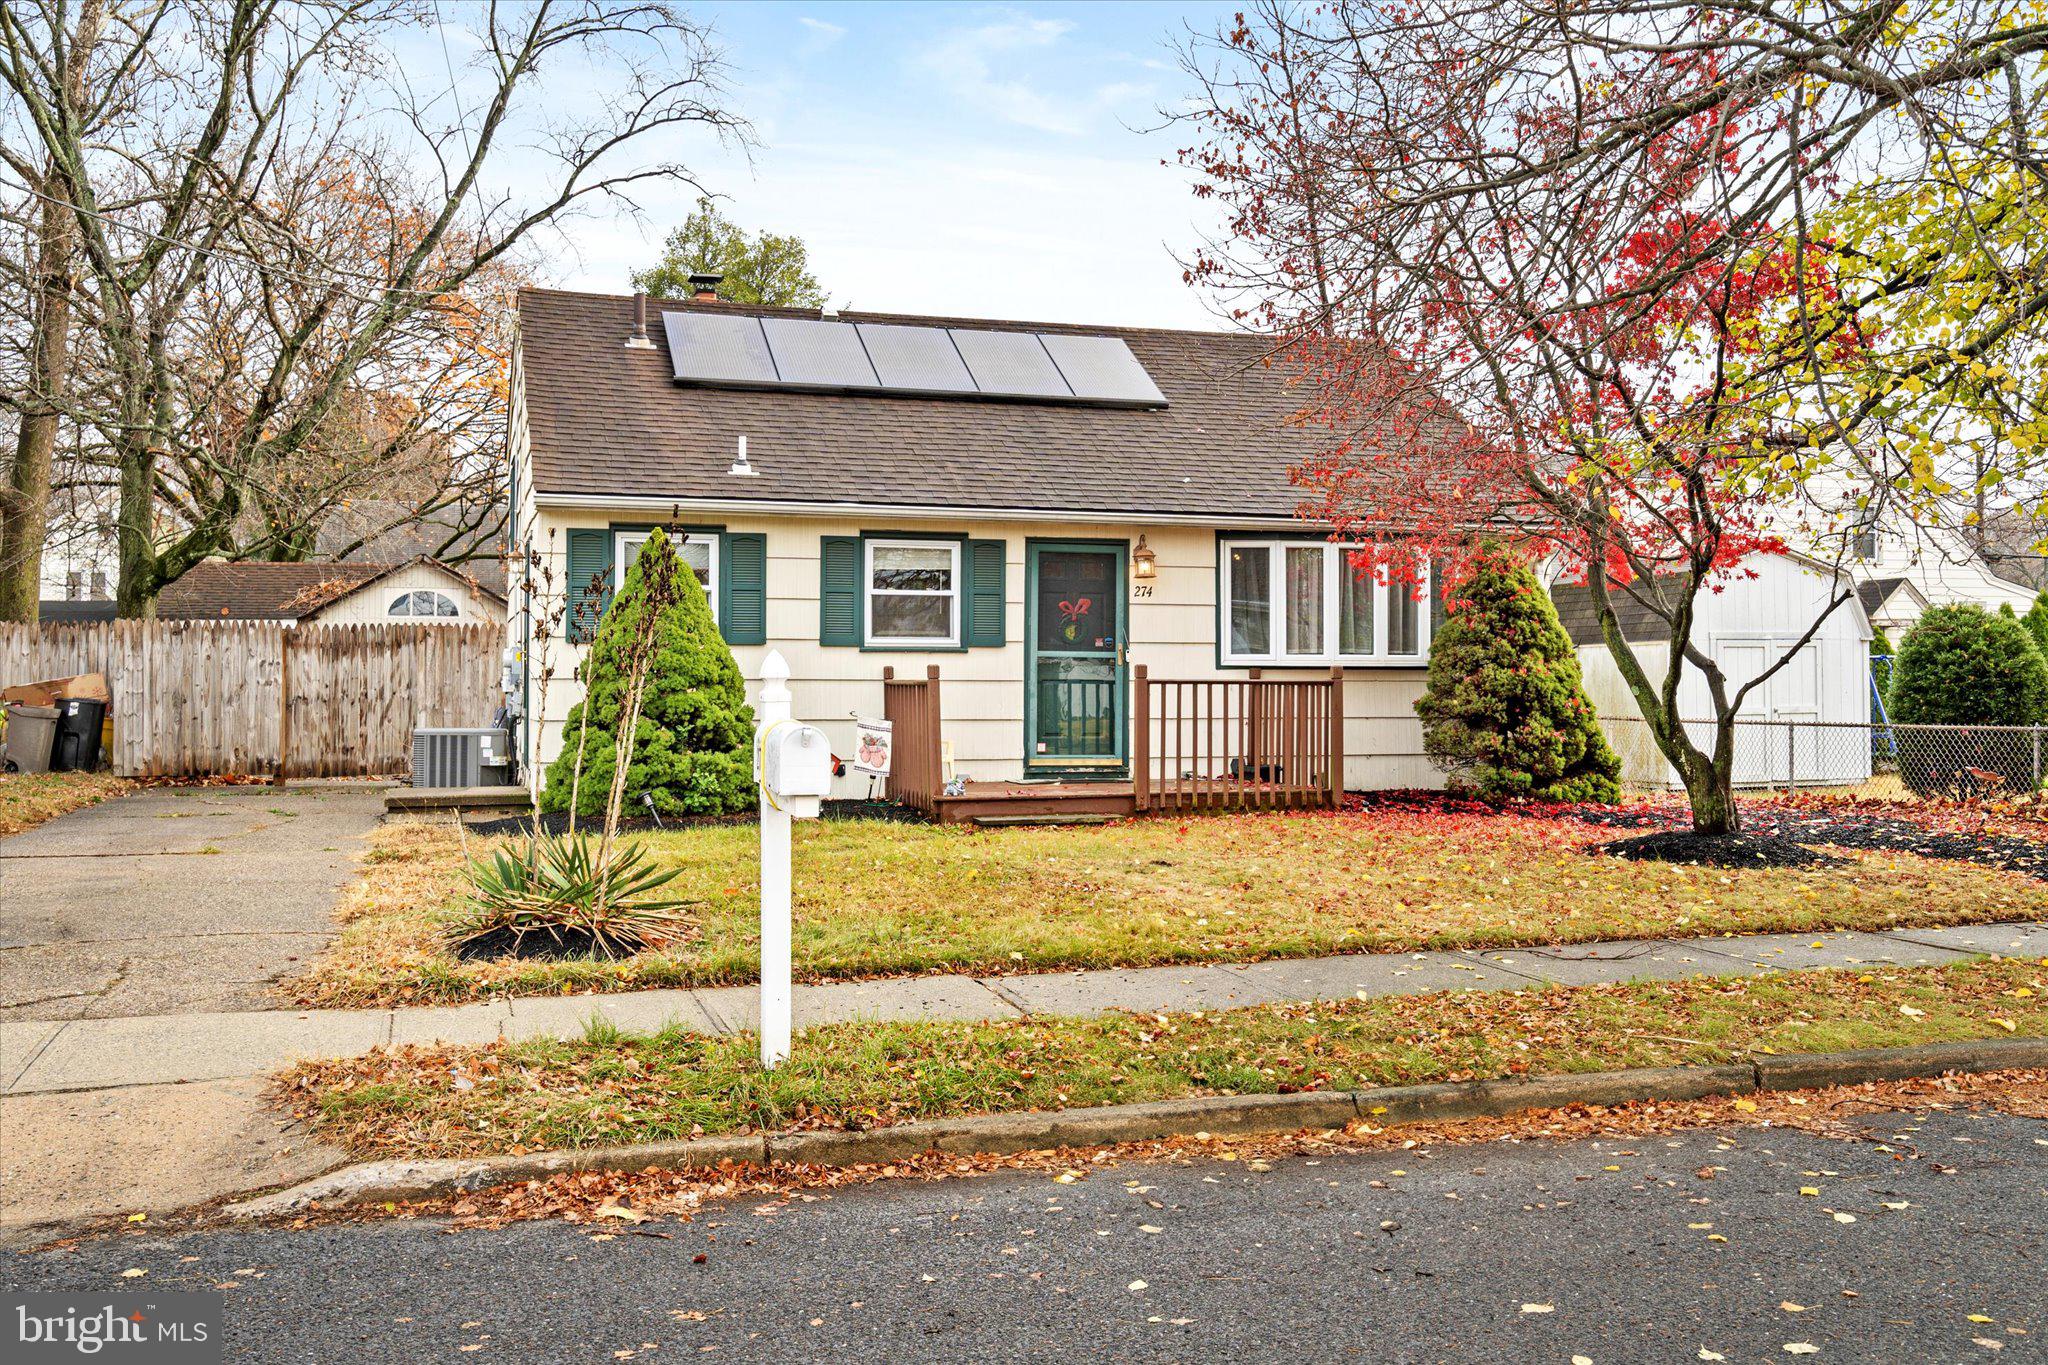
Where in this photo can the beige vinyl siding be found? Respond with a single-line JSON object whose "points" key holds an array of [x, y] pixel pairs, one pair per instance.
{"points": [[371, 603], [1173, 632]]}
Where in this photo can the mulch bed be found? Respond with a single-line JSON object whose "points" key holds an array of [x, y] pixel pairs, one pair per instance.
{"points": [[571, 944], [1841, 829], [1717, 850], [1948, 831]]}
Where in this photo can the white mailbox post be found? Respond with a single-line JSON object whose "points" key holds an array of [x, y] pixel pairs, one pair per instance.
{"points": [[793, 765]]}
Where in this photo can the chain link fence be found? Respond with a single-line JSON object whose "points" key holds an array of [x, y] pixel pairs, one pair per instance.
{"points": [[1862, 758]]}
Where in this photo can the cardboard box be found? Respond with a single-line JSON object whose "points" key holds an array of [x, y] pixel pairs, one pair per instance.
{"points": [[81, 687]]}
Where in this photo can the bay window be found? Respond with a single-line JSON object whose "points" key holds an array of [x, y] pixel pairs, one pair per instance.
{"points": [[1301, 602]]}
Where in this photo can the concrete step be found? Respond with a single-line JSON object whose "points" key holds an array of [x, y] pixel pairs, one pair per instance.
{"points": [[1077, 818]]}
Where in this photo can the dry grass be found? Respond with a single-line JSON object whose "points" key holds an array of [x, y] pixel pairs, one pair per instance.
{"points": [[30, 799], [608, 1089], [877, 899]]}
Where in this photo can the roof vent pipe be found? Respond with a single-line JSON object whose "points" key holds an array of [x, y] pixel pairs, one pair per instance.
{"points": [[739, 461], [640, 341]]}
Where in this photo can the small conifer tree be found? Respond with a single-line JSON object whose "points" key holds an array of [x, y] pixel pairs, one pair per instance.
{"points": [[2036, 621], [691, 753], [1506, 712]]}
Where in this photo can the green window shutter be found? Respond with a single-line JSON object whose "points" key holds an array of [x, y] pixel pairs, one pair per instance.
{"points": [[590, 561], [985, 593], [839, 590], [743, 589], [1437, 569]]}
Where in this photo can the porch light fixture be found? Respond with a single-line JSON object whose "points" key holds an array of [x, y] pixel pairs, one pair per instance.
{"points": [[1144, 563]]}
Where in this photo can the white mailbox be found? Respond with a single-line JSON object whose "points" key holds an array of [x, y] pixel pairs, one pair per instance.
{"points": [[796, 767]]}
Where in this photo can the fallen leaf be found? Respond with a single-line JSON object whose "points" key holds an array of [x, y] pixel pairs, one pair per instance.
{"points": [[1801, 1348], [1845, 1218], [620, 1212], [1705, 1354], [1135, 1286], [1539, 1308], [132, 1273], [1808, 1190], [1791, 1307], [1912, 1013], [1979, 1317]]}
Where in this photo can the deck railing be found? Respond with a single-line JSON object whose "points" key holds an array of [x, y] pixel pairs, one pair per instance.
{"points": [[917, 767], [1249, 743]]}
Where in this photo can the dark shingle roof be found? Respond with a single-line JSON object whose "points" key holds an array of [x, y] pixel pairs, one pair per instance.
{"points": [[57, 609], [253, 590], [215, 590], [1575, 609], [608, 420], [1872, 593]]}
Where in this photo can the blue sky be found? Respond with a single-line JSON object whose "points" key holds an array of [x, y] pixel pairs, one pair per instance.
{"points": [[983, 160]]}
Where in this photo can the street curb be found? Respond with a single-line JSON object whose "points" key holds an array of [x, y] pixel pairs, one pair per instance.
{"points": [[997, 1134]]}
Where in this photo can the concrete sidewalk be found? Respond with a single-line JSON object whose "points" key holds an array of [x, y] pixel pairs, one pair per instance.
{"points": [[91, 1054]]}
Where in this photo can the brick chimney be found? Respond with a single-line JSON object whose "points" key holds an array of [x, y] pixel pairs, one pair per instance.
{"points": [[704, 288]]}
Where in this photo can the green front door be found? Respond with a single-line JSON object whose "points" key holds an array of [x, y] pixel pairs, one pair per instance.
{"points": [[1074, 693]]}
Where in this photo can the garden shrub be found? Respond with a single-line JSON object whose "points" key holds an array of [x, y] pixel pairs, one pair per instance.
{"points": [[692, 751], [1963, 666], [2036, 621], [1506, 712]]}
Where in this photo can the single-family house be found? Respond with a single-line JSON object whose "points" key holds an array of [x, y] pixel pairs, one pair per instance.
{"points": [[1746, 623], [420, 591], [1941, 566], [1045, 514]]}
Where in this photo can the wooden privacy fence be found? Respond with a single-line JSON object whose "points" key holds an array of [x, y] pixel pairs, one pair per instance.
{"points": [[917, 767], [207, 698], [1246, 743]]}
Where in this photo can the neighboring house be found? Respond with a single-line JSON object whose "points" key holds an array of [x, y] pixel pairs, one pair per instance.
{"points": [[419, 592], [1891, 605], [1943, 569], [1035, 509], [1745, 627]]}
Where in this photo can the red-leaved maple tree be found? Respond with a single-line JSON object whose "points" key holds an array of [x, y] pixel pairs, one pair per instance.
{"points": [[1544, 279]]}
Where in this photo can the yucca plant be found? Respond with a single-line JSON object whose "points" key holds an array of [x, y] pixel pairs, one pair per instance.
{"points": [[574, 894]]}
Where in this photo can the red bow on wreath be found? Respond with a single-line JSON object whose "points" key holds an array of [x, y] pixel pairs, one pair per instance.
{"points": [[1075, 610]]}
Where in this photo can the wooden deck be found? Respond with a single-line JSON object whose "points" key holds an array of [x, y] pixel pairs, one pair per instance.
{"points": [[1015, 802]]}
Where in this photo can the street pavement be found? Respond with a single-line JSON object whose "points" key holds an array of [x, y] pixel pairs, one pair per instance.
{"points": [[1924, 1241], [173, 900]]}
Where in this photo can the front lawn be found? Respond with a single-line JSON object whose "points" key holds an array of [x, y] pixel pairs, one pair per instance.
{"points": [[29, 799], [876, 898], [607, 1089]]}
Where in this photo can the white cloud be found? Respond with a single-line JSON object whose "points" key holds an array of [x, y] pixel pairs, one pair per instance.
{"points": [[965, 62], [823, 34]]}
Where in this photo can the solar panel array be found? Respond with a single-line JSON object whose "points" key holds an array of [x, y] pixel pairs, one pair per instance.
{"points": [[730, 350]]}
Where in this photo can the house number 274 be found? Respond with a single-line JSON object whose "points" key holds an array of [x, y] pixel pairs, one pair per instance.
{"points": [[1141, 589]]}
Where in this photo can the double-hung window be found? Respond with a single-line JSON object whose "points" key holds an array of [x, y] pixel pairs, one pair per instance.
{"points": [[1301, 602], [913, 592], [698, 550]]}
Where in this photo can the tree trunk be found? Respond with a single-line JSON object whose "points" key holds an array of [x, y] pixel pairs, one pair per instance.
{"points": [[25, 502], [1710, 789]]}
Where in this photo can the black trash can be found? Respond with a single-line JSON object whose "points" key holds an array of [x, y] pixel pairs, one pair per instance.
{"points": [[78, 735]]}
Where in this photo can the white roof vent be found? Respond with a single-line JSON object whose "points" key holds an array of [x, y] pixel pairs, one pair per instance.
{"points": [[739, 461]]}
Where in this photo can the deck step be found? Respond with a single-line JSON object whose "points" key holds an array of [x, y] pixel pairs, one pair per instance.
{"points": [[1079, 818]]}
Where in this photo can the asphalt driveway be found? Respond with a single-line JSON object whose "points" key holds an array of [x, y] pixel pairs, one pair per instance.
{"points": [[174, 900]]}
